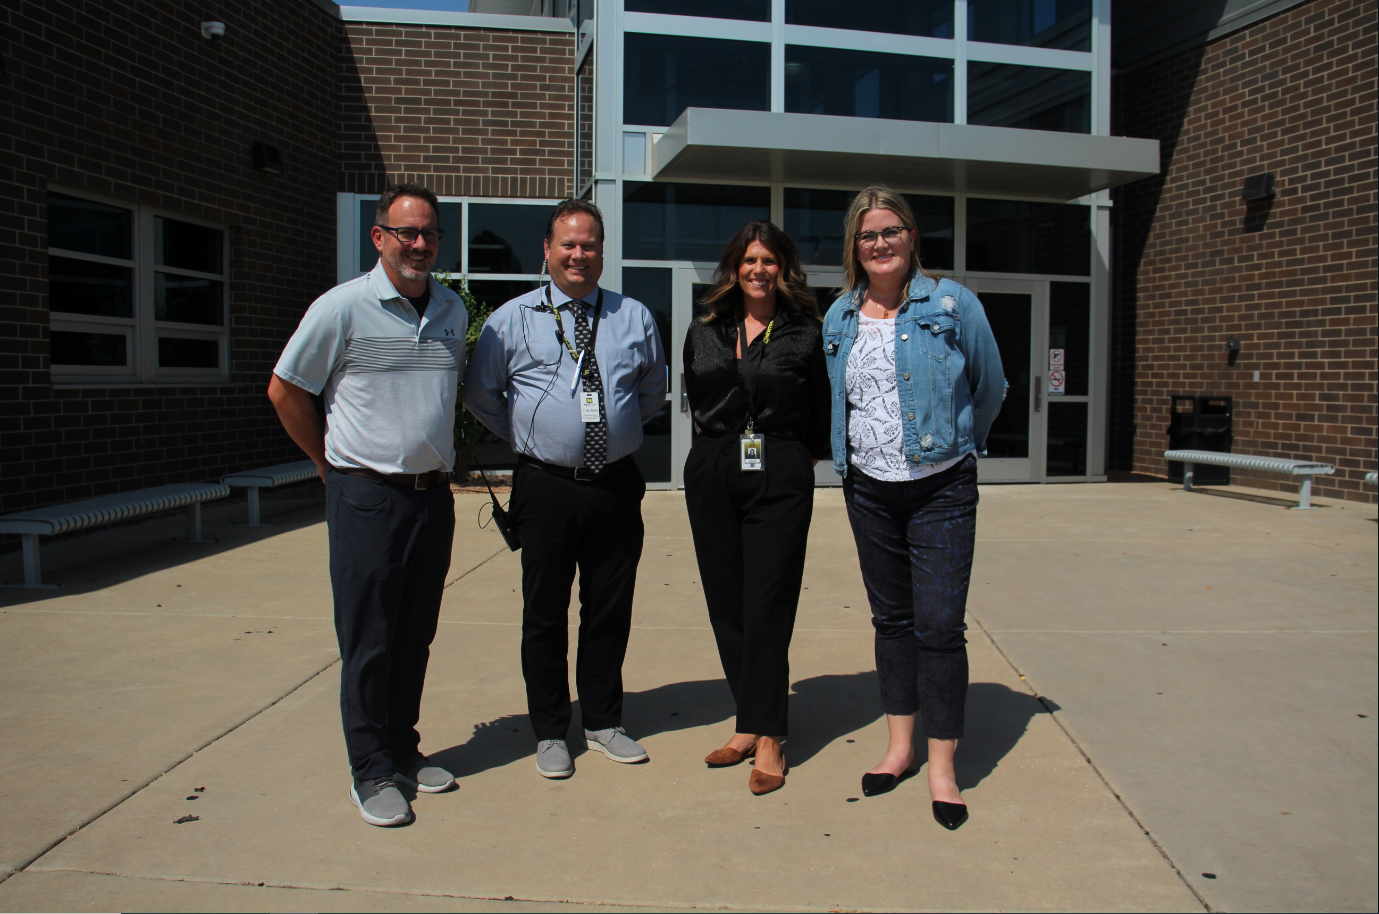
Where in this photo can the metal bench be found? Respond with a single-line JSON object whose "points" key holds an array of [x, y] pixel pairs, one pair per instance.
{"points": [[267, 478], [92, 512], [1304, 468]]}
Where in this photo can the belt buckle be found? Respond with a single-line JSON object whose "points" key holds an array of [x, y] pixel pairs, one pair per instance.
{"points": [[418, 484], [588, 474]]}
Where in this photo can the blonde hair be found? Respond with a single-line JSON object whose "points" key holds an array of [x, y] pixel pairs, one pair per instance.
{"points": [[878, 196]]}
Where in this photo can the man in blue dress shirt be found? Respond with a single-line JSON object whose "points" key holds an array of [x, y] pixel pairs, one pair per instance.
{"points": [[568, 374]]}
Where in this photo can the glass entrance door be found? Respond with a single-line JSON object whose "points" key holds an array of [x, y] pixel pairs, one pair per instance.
{"points": [[1018, 313], [691, 283]]}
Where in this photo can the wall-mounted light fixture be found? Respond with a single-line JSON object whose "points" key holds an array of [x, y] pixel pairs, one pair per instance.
{"points": [[212, 30], [1258, 187], [267, 158], [1232, 349]]}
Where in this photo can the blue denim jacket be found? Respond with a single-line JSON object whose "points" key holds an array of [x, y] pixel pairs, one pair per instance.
{"points": [[948, 370]]}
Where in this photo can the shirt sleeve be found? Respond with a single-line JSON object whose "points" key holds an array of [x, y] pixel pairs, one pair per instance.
{"points": [[985, 373], [651, 391], [486, 380], [315, 350]]}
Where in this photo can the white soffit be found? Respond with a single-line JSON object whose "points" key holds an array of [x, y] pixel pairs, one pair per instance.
{"points": [[706, 144]]}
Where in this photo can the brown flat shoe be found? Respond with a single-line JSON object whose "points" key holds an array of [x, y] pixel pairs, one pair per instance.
{"points": [[762, 783], [728, 756]]}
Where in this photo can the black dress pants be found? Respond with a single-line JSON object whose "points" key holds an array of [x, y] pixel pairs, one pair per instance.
{"points": [[389, 553], [595, 528], [750, 530]]}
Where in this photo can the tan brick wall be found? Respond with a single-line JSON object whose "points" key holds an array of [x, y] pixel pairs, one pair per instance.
{"points": [[1295, 281], [463, 111]]}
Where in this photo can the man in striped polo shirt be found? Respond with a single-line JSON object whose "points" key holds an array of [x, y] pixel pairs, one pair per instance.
{"points": [[386, 353]]}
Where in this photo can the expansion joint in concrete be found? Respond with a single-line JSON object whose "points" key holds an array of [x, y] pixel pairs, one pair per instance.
{"points": [[1052, 712]]}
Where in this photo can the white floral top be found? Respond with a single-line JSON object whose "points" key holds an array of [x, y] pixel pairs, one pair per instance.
{"points": [[876, 443]]}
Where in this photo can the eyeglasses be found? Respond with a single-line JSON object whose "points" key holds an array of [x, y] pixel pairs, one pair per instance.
{"points": [[891, 235], [409, 235]]}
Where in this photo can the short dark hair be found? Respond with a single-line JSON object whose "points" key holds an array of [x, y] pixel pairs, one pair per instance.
{"points": [[565, 207], [420, 191]]}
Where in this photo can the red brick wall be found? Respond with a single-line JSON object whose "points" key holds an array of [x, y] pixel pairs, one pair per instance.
{"points": [[131, 102], [1295, 281], [463, 111]]}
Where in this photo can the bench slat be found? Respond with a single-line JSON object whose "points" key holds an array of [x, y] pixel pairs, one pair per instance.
{"points": [[1252, 462], [268, 477], [109, 508]]}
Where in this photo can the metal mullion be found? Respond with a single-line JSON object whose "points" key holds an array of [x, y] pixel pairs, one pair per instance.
{"points": [[464, 237], [874, 42], [959, 61], [777, 55], [105, 320], [192, 274], [93, 258], [145, 355], [1025, 56]]}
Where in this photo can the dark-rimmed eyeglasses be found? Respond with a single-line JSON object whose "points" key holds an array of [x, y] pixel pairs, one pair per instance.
{"points": [[890, 234], [409, 236]]}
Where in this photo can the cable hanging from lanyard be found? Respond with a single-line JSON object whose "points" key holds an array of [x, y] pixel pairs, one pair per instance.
{"points": [[576, 356]]}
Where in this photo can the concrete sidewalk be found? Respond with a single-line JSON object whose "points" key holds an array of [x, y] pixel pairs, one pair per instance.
{"points": [[1205, 673]]}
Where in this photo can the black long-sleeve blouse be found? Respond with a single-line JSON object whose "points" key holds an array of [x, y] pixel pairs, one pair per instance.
{"points": [[792, 391]]}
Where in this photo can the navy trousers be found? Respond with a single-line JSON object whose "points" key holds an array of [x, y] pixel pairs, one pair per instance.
{"points": [[389, 554], [914, 542]]}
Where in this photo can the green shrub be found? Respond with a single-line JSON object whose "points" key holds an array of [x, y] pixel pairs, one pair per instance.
{"points": [[468, 430]]}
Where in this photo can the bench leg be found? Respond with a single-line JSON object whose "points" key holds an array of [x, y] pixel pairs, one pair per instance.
{"points": [[33, 570], [254, 506], [1305, 493], [194, 522], [1187, 476]]}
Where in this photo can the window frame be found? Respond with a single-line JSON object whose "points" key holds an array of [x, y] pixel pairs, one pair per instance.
{"points": [[142, 331]]}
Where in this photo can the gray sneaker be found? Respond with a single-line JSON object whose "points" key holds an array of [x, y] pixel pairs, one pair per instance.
{"points": [[380, 802], [616, 744], [421, 775], [553, 759]]}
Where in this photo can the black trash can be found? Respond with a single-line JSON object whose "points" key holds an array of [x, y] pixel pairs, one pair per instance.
{"points": [[1199, 423]]}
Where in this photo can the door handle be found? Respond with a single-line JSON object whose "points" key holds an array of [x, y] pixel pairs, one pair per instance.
{"points": [[684, 395], [1038, 393]]}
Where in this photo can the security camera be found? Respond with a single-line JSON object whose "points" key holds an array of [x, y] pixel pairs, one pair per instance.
{"points": [[213, 29]]}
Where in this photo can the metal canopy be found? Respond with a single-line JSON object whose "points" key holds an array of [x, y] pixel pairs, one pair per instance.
{"points": [[715, 144]]}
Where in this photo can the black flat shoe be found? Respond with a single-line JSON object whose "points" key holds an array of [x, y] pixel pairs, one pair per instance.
{"points": [[873, 785], [950, 815]]}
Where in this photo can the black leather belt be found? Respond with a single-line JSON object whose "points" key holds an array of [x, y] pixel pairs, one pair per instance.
{"points": [[418, 481], [579, 473]]}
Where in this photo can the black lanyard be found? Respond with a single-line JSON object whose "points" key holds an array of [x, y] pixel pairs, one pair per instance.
{"points": [[577, 357], [748, 369]]}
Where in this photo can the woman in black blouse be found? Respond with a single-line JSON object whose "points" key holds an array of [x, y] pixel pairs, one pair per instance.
{"points": [[758, 389]]}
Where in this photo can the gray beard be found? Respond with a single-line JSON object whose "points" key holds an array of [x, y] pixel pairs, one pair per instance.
{"points": [[403, 268]]}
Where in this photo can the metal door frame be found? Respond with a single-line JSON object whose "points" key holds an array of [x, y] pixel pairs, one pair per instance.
{"points": [[1031, 468]]}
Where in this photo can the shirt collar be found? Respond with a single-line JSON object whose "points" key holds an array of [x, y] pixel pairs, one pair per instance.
{"points": [[385, 290], [558, 296], [921, 287]]}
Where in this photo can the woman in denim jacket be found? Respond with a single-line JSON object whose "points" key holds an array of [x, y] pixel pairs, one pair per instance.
{"points": [[916, 383]]}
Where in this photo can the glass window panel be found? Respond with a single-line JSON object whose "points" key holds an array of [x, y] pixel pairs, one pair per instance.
{"points": [[934, 219], [653, 457], [814, 221], [187, 300], [1063, 24], [932, 18], [1032, 98], [452, 245], [1006, 236], [176, 352], [651, 286], [89, 227], [1010, 319], [1067, 450], [105, 350], [698, 292], [754, 10], [1070, 329], [866, 84], [686, 221], [187, 246], [83, 287], [494, 293], [665, 74], [506, 238]]}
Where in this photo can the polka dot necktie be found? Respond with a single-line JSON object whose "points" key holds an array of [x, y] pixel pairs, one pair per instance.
{"points": [[595, 433]]}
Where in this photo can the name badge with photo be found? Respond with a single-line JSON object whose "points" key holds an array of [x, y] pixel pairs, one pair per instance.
{"points": [[753, 452], [589, 406]]}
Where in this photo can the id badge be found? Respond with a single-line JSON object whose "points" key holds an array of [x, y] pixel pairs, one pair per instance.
{"points": [[753, 451], [589, 406]]}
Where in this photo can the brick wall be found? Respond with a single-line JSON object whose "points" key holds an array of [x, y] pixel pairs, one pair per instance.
{"points": [[129, 101], [463, 111], [1295, 280]]}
